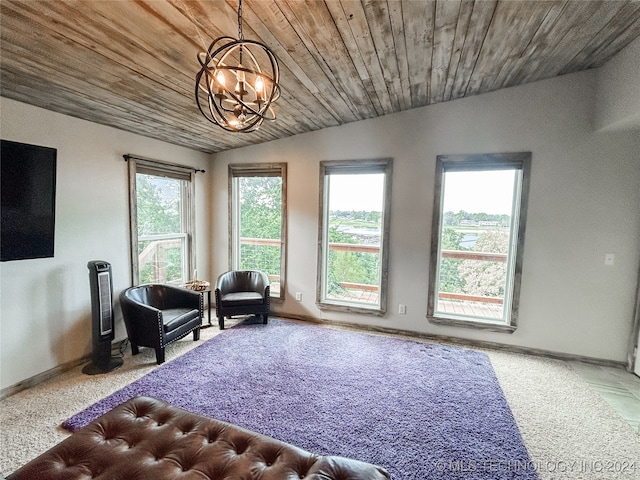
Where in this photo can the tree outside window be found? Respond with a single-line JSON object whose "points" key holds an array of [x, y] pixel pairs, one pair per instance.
{"points": [[161, 249], [258, 221], [162, 224]]}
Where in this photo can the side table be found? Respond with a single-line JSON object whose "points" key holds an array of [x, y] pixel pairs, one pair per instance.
{"points": [[208, 292], [202, 287]]}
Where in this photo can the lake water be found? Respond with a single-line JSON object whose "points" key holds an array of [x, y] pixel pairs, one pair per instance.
{"points": [[359, 230], [469, 240]]}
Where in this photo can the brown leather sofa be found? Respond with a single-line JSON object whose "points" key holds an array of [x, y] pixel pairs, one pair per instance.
{"points": [[156, 315], [242, 292], [148, 439]]}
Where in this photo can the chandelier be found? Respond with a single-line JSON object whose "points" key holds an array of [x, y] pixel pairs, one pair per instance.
{"points": [[238, 82]]}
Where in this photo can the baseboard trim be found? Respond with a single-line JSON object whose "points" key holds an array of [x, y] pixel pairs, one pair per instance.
{"points": [[42, 377], [539, 352], [48, 374], [62, 368]]}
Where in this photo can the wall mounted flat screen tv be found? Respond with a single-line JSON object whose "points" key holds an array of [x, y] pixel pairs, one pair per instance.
{"points": [[28, 201]]}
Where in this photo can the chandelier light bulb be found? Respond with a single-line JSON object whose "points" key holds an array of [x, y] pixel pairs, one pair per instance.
{"points": [[259, 87], [220, 79], [220, 89]]}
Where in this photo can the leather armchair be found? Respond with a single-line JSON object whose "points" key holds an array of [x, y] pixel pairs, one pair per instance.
{"points": [[242, 292], [156, 315]]}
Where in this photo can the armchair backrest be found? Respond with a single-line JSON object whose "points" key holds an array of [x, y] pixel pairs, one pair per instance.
{"points": [[154, 295], [138, 294], [243, 281]]}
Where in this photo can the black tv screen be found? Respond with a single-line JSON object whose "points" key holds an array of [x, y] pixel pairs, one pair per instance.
{"points": [[28, 203]]}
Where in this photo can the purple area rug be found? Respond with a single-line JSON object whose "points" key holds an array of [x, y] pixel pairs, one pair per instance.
{"points": [[423, 411]]}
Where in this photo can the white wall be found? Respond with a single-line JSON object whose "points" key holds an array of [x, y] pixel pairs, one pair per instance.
{"points": [[45, 307], [618, 92], [584, 202]]}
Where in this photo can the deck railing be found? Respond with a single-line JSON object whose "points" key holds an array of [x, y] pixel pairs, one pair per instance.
{"points": [[266, 242], [363, 248], [155, 254], [453, 254], [468, 255]]}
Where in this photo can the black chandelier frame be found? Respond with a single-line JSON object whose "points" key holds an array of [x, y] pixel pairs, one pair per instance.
{"points": [[245, 107]]}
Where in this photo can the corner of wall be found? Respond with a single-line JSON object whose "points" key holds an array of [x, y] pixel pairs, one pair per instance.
{"points": [[618, 91]]}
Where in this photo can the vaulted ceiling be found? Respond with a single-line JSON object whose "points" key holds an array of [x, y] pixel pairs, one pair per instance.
{"points": [[131, 64]]}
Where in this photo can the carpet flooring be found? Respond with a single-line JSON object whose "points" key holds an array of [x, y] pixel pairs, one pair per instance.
{"points": [[420, 410], [570, 432]]}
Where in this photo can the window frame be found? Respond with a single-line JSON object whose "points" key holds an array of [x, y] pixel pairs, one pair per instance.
{"points": [[258, 170], [480, 162], [328, 167], [157, 168]]}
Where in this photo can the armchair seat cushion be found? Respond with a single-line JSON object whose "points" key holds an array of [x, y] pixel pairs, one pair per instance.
{"points": [[173, 318], [242, 298]]}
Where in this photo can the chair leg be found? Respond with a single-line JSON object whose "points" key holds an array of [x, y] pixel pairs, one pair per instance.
{"points": [[160, 355], [265, 318], [221, 322], [196, 334], [134, 349]]}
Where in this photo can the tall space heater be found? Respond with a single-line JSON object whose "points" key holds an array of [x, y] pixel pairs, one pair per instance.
{"points": [[102, 319]]}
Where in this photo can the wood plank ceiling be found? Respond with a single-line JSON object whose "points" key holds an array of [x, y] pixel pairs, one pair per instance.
{"points": [[131, 64]]}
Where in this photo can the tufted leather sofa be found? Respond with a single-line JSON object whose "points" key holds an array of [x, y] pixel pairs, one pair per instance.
{"points": [[148, 439]]}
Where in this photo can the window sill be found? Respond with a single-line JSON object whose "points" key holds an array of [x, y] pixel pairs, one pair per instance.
{"points": [[338, 307], [475, 324]]}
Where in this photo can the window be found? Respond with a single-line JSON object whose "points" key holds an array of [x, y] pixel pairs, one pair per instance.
{"points": [[478, 239], [162, 225], [354, 218], [258, 221]]}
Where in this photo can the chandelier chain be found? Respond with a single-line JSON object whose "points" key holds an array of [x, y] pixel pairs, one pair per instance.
{"points": [[240, 35]]}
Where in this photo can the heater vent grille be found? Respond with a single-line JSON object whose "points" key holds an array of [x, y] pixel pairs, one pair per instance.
{"points": [[104, 296]]}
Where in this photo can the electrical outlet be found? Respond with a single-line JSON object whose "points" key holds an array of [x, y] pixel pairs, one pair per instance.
{"points": [[609, 259], [299, 296], [402, 309]]}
